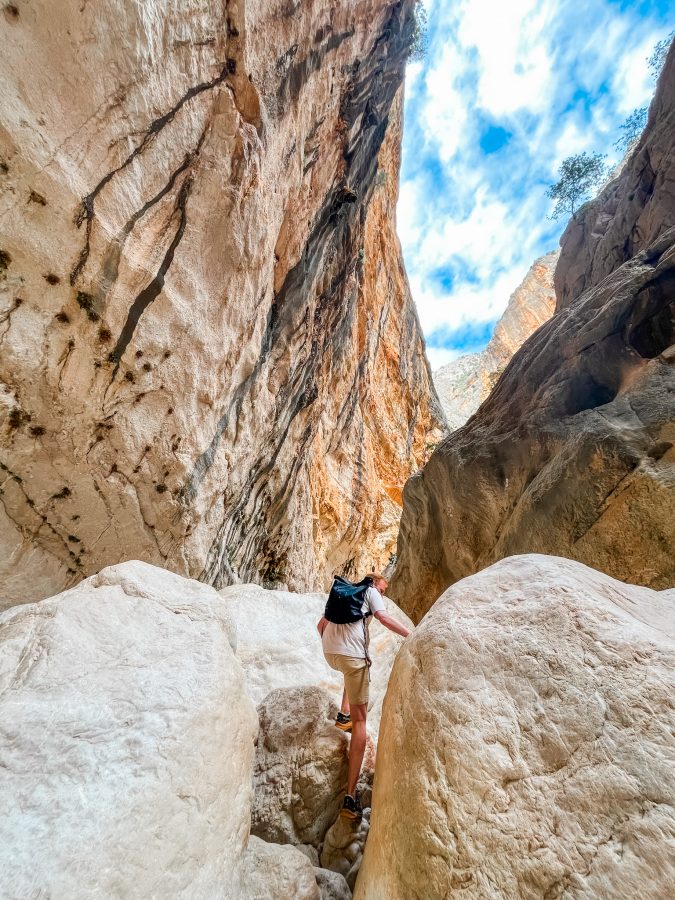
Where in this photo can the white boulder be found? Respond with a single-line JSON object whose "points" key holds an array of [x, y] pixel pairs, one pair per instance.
{"points": [[126, 742], [527, 748], [278, 872]]}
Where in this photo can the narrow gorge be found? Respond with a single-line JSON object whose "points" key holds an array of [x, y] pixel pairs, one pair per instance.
{"points": [[215, 398]]}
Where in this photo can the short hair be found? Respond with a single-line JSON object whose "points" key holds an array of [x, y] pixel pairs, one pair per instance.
{"points": [[375, 577]]}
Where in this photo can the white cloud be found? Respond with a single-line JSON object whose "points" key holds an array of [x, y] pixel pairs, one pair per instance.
{"points": [[559, 80], [439, 357], [468, 303], [514, 62], [445, 110], [632, 84]]}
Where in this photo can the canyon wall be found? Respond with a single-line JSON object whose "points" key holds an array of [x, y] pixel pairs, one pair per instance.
{"points": [[573, 452], [210, 356], [466, 382]]}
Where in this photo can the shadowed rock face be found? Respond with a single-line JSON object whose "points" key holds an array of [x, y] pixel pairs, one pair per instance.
{"points": [[210, 357], [572, 454]]}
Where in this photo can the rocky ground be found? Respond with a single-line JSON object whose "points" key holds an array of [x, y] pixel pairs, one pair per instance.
{"points": [[131, 745], [524, 748]]}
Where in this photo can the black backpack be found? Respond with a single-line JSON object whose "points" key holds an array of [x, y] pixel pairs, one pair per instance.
{"points": [[345, 601]]}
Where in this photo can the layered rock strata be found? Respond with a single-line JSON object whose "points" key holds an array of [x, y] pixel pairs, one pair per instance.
{"points": [[466, 382], [526, 747], [573, 452], [126, 742], [210, 357]]}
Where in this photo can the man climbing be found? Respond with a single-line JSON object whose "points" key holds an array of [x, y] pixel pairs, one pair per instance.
{"points": [[345, 646]]}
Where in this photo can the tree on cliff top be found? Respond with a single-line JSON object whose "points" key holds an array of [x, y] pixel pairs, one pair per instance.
{"points": [[578, 176], [632, 129], [419, 41], [657, 60], [634, 125]]}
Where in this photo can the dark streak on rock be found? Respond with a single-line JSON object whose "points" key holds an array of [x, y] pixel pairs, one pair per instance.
{"points": [[309, 320], [298, 73], [112, 258], [151, 292], [86, 211]]}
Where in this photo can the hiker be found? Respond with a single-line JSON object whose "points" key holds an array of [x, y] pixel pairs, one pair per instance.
{"points": [[344, 638]]}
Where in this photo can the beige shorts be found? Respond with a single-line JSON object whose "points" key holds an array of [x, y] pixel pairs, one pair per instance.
{"points": [[356, 676]]}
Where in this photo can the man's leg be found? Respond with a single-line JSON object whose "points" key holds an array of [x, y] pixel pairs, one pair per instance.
{"points": [[357, 746], [344, 708]]}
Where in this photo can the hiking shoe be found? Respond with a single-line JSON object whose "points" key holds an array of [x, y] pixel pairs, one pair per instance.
{"points": [[343, 722], [351, 808]]}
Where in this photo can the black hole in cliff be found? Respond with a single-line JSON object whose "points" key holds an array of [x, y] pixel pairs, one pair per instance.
{"points": [[654, 312], [586, 392]]}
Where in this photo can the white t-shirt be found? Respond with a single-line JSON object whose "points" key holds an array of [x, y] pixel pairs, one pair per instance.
{"points": [[351, 639]]}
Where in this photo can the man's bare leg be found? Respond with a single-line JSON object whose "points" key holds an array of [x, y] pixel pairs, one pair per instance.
{"points": [[344, 708], [357, 746]]}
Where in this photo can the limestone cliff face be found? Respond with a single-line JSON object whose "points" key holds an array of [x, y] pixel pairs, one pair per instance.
{"points": [[210, 359], [573, 453], [464, 383]]}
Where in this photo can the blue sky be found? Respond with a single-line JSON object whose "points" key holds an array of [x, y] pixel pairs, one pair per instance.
{"points": [[507, 90]]}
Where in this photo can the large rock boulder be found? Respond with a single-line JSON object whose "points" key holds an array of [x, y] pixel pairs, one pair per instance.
{"points": [[279, 646], [126, 741], [527, 748], [573, 452], [277, 872], [300, 767], [210, 356], [333, 886], [464, 383]]}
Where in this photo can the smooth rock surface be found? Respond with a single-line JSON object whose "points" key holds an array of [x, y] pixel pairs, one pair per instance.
{"points": [[573, 453], [466, 382], [527, 748], [277, 872], [126, 742], [300, 767], [210, 358], [279, 647]]}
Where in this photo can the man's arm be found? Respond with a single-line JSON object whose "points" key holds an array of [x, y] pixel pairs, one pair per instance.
{"points": [[321, 624], [392, 624]]}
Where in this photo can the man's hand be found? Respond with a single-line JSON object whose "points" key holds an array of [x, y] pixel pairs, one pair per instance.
{"points": [[392, 624], [321, 624]]}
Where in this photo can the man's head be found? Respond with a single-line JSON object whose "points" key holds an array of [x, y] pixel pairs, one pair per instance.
{"points": [[380, 582]]}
